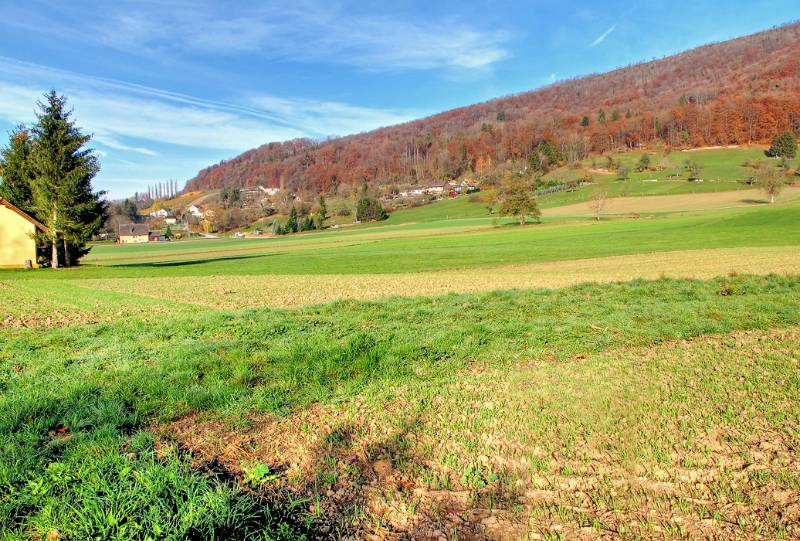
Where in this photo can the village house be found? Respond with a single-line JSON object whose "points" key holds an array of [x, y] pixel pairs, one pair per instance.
{"points": [[465, 186], [436, 189], [134, 233], [269, 191], [195, 211], [17, 246], [160, 213]]}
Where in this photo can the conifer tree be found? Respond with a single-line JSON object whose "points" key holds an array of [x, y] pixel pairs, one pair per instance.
{"points": [[291, 225], [62, 169], [322, 213], [15, 174]]}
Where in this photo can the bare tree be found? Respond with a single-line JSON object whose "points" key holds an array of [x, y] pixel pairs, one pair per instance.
{"points": [[598, 198], [770, 180]]}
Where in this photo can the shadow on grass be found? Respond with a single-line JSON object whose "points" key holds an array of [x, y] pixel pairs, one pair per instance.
{"points": [[751, 201], [374, 490], [189, 262]]}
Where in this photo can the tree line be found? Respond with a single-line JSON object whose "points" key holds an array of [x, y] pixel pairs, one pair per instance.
{"points": [[46, 170]]}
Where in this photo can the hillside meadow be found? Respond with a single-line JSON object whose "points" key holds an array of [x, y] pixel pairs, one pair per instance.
{"points": [[441, 375]]}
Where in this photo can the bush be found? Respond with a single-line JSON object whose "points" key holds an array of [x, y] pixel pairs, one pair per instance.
{"points": [[369, 209]]}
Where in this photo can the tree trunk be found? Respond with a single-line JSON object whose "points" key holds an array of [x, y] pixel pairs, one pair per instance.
{"points": [[66, 254], [54, 255], [772, 198]]}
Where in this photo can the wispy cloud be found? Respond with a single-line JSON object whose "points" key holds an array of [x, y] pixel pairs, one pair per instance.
{"points": [[133, 124], [115, 110], [603, 36], [307, 31]]}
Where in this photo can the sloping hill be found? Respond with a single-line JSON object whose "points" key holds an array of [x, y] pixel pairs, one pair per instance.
{"points": [[735, 92]]}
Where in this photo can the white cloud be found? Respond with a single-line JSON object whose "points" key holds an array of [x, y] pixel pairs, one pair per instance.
{"points": [[603, 36], [145, 129], [330, 117], [115, 111], [310, 31]]}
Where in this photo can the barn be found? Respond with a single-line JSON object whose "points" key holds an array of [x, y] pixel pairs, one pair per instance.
{"points": [[17, 246]]}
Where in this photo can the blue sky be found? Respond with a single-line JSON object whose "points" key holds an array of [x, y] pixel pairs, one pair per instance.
{"points": [[170, 87]]}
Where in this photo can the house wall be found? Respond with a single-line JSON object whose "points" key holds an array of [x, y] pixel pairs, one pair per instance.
{"points": [[16, 244], [133, 239]]}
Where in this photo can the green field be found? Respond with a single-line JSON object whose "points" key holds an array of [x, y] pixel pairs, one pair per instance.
{"points": [[442, 374]]}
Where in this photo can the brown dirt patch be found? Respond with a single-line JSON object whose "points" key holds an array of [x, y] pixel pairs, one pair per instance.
{"points": [[469, 459], [279, 291]]}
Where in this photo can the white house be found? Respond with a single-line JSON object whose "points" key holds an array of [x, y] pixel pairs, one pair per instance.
{"points": [[160, 213], [417, 191], [436, 189], [195, 211], [269, 191]]}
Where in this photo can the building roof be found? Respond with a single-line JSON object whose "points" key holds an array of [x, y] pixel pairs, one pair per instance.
{"points": [[22, 213], [133, 230]]}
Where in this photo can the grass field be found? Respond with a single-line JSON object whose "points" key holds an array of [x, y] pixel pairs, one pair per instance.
{"points": [[439, 376]]}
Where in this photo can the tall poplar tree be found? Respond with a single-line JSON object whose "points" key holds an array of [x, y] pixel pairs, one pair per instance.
{"points": [[62, 169]]}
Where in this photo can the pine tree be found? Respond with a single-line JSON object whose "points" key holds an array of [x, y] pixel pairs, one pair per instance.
{"points": [[783, 146], [291, 224], [322, 213], [62, 170], [15, 173]]}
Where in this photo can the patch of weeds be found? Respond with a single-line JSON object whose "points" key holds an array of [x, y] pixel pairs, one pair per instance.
{"points": [[259, 474], [477, 477]]}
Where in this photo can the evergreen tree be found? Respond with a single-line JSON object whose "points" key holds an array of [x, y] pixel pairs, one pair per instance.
{"points": [[783, 146], [644, 163], [15, 174], [291, 224], [549, 151], [61, 171], [322, 213], [369, 209], [585, 121]]}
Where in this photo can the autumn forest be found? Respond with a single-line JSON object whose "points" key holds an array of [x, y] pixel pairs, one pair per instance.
{"points": [[736, 92]]}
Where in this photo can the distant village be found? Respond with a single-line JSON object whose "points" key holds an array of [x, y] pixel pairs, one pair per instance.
{"points": [[248, 211]]}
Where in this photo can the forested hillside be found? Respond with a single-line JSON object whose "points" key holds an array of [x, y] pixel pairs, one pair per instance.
{"points": [[740, 91]]}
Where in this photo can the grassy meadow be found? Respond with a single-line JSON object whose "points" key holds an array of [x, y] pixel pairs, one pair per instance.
{"points": [[442, 375]]}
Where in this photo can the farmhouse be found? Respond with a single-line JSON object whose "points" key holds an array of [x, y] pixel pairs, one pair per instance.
{"points": [[195, 211], [160, 213], [134, 233], [17, 247]]}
